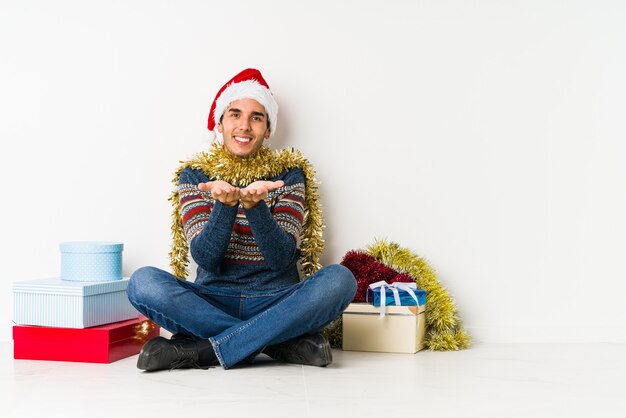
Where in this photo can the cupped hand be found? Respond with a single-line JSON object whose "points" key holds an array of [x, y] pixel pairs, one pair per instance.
{"points": [[257, 191], [224, 192]]}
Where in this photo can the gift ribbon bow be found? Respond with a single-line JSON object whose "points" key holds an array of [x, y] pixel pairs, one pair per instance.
{"points": [[394, 287]]}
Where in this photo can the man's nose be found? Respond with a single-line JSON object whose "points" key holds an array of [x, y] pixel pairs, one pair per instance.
{"points": [[244, 123]]}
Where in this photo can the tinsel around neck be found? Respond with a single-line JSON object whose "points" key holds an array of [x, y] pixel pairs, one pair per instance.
{"points": [[219, 164], [238, 171]]}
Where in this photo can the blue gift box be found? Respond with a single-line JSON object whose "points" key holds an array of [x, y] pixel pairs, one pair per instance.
{"points": [[69, 304], [373, 297], [91, 261]]}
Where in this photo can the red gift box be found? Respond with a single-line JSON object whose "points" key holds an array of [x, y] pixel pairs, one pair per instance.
{"points": [[100, 344]]}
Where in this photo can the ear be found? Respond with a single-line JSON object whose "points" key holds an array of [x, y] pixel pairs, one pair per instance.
{"points": [[219, 128], [268, 131]]}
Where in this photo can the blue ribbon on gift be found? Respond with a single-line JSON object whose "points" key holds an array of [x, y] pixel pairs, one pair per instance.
{"points": [[396, 294]]}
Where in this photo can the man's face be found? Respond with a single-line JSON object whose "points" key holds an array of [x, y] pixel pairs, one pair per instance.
{"points": [[244, 127]]}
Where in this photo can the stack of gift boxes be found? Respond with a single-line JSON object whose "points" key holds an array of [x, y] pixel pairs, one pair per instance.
{"points": [[84, 315], [392, 320]]}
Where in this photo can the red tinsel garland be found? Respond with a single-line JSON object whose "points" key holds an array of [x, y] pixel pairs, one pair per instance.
{"points": [[368, 270]]}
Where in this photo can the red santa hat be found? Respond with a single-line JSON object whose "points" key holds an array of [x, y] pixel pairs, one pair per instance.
{"points": [[248, 84]]}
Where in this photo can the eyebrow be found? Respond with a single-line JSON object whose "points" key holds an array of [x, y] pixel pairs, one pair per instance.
{"points": [[235, 110]]}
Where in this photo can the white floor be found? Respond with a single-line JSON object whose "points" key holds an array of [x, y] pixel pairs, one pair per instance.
{"points": [[488, 380]]}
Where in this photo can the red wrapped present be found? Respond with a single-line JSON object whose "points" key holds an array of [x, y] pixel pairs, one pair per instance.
{"points": [[101, 344]]}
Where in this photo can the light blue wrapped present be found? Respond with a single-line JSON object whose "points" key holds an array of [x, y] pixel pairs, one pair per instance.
{"points": [[67, 304], [91, 261]]}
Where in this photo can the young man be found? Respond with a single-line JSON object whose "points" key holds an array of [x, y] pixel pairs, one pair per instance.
{"points": [[247, 216]]}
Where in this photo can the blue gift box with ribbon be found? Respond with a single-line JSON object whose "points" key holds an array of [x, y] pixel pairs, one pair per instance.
{"points": [[396, 294]]}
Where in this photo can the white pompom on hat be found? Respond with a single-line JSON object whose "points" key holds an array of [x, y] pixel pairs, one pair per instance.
{"points": [[248, 84]]}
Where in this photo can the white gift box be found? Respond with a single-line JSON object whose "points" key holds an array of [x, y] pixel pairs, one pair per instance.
{"points": [[69, 304], [401, 330]]}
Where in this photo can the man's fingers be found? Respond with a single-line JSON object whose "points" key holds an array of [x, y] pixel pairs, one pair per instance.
{"points": [[207, 187], [263, 186], [227, 196], [277, 184], [253, 194], [223, 190], [214, 186], [253, 190], [248, 193], [272, 185], [217, 187], [228, 193]]}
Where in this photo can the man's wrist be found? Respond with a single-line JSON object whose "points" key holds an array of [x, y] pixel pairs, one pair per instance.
{"points": [[248, 205], [231, 204]]}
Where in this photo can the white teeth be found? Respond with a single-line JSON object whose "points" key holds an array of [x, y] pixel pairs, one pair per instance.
{"points": [[240, 139]]}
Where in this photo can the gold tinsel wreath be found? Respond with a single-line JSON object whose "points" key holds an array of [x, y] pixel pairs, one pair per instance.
{"points": [[444, 330], [219, 164]]}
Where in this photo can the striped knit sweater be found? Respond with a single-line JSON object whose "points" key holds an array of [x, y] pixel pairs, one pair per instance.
{"points": [[235, 247]]}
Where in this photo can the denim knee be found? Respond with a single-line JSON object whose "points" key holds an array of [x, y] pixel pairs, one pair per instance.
{"points": [[345, 282], [141, 284], [338, 283]]}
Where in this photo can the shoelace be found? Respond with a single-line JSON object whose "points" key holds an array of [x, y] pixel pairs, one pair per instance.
{"points": [[187, 358]]}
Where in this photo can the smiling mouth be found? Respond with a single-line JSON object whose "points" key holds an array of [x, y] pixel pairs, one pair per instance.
{"points": [[242, 139]]}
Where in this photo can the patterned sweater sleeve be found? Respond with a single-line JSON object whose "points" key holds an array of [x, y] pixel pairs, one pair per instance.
{"points": [[277, 227], [207, 222]]}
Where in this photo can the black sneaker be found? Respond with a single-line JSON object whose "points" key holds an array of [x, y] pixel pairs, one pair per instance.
{"points": [[310, 350], [160, 353]]}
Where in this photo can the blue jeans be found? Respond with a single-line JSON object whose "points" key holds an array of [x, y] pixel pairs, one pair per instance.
{"points": [[239, 323]]}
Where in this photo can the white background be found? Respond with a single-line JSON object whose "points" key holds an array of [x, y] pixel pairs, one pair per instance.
{"points": [[486, 136]]}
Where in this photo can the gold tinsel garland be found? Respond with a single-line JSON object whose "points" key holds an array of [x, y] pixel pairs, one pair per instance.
{"points": [[444, 330], [219, 164]]}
